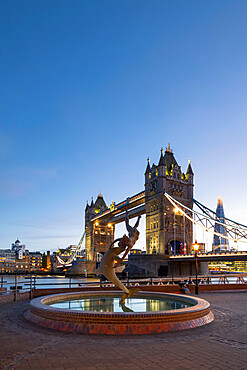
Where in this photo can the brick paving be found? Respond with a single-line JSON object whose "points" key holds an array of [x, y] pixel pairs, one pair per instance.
{"points": [[219, 345]]}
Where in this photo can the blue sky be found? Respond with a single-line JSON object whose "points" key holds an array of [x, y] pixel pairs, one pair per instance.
{"points": [[90, 89]]}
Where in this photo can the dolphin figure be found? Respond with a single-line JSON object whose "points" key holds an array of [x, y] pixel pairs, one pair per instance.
{"points": [[108, 264]]}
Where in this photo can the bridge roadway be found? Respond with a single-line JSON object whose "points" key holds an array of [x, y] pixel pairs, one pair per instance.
{"points": [[210, 257], [116, 213]]}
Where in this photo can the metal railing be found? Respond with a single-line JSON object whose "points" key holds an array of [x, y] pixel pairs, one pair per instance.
{"points": [[31, 283], [203, 279], [211, 253]]}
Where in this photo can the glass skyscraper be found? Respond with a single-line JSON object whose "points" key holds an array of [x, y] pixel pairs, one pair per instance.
{"points": [[219, 243]]}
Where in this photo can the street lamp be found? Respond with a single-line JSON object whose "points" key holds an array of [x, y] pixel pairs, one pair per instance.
{"points": [[196, 248], [175, 212]]}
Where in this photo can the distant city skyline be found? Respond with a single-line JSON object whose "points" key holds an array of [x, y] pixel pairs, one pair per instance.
{"points": [[89, 90]]}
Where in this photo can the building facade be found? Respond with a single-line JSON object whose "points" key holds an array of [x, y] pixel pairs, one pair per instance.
{"points": [[35, 261], [18, 248], [168, 232], [20, 260], [7, 260]]}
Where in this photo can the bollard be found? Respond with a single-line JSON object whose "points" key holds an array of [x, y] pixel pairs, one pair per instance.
{"points": [[70, 282], [1, 281]]}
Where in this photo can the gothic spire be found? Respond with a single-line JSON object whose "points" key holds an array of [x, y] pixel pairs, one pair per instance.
{"points": [[162, 159], [168, 149], [189, 169], [148, 169], [92, 203]]}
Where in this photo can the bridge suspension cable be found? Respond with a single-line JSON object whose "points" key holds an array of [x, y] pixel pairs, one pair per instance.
{"points": [[60, 260], [213, 214], [236, 231]]}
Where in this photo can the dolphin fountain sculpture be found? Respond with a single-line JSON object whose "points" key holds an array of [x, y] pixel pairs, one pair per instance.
{"points": [[111, 258]]}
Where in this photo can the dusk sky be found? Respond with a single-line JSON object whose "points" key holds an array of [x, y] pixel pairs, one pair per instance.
{"points": [[90, 89]]}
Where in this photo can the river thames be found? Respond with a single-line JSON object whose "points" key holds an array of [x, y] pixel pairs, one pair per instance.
{"points": [[42, 282]]}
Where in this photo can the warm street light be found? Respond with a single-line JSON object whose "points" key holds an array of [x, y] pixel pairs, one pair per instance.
{"points": [[175, 212], [196, 248]]}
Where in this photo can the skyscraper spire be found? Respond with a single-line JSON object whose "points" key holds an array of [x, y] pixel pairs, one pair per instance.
{"points": [[220, 203], [220, 243]]}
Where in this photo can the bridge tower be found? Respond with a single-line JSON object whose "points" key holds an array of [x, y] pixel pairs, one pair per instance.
{"points": [[167, 232], [99, 234]]}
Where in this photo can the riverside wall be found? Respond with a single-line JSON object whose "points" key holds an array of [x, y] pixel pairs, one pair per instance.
{"points": [[166, 288]]}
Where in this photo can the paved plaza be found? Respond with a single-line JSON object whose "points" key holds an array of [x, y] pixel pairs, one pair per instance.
{"points": [[219, 345]]}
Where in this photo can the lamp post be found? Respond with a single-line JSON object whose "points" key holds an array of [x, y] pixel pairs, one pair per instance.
{"points": [[196, 248], [175, 212]]}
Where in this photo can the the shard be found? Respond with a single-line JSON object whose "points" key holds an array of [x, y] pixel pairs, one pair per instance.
{"points": [[220, 243]]}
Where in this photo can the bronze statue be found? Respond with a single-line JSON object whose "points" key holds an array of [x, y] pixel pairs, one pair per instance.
{"points": [[111, 258]]}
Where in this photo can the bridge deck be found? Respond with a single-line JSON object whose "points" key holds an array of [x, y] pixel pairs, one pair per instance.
{"points": [[120, 208], [208, 257]]}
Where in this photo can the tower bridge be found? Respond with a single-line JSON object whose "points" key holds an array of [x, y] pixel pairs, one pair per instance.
{"points": [[166, 176], [167, 201]]}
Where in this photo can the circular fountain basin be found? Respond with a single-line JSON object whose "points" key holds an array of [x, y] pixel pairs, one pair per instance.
{"points": [[101, 312]]}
